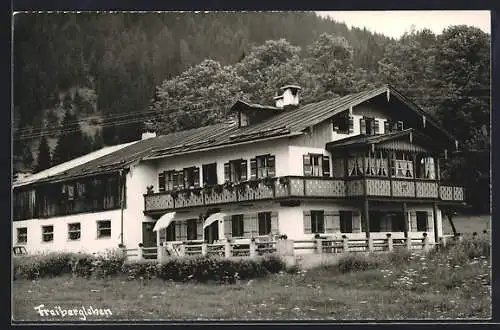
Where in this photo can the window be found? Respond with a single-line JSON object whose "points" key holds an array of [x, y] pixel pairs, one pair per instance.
{"points": [[74, 231], [264, 223], [398, 222], [346, 221], [402, 165], [262, 166], [316, 165], [355, 165], [317, 222], [237, 225], [22, 235], [47, 233], [421, 221], [427, 168], [174, 180], [103, 228], [191, 177], [235, 170], [209, 174], [192, 229], [343, 124], [171, 231], [368, 126]]}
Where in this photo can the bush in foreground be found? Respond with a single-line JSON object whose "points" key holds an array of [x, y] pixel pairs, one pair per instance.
{"points": [[193, 268]]}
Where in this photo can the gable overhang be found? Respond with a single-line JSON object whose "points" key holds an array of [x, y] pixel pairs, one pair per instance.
{"points": [[241, 105], [364, 142]]}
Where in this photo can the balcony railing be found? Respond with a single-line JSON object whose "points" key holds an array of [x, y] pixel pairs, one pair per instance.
{"points": [[292, 187]]}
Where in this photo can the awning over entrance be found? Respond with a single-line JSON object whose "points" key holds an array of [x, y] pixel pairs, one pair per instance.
{"points": [[212, 218], [164, 221]]}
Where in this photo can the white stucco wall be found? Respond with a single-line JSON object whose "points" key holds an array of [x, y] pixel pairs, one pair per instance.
{"points": [[277, 147], [88, 241]]}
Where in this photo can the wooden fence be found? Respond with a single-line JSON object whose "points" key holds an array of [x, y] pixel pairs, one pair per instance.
{"points": [[282, 247]]}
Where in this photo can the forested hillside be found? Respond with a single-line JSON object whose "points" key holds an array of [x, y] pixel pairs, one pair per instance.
{"points": [[94, 79]]}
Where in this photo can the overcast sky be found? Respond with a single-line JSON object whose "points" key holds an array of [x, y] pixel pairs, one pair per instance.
{"points": [[396, 23]]}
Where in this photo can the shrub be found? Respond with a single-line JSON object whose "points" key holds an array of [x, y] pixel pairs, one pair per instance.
{"points": [[355, 263], [273, 263], [143, 268]]}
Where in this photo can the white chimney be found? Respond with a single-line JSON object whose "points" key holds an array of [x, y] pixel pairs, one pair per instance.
{"points": [[289, 97], [148, 131], [148, 135]]}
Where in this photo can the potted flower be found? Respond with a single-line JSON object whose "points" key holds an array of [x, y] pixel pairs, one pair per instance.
{"points": [[229, 186], [268, 181], [187, 193], [254, 184], [284, 181], [149, 190], [218, 188], [174, 194], [242, 187], [197, 191]]}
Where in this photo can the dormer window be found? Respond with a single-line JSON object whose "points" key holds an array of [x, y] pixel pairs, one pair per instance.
{"points": [[343, 123]]}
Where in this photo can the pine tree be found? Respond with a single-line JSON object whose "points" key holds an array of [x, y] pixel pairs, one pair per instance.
{"points": [[71, 142], [43, 158]]}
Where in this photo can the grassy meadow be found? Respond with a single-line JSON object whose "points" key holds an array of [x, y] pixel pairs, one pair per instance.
{"points": [[450, 284]]}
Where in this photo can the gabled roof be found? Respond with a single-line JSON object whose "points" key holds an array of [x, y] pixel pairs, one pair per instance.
{"points": [[364, 140], [243, 105], [285, 123]]}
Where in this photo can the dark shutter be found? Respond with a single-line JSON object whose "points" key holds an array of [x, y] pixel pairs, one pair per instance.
{"points": [[430, 221], [180, 178], [400, 125], [196, 174], [376, 128], [228, 230], [227, 172], [362, 125], [253, 169], [307, 222], [387, 127], [351, 124], [185, 182], [274, 223], [307, 165], [271, 166], [244, 170], [175, 179], [413, 221], [326, 166], [161, 182]]}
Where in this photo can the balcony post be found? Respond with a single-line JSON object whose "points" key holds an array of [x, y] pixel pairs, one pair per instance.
{"points": [[405, 219], [370, 244], [140, 252], [434, 218], [204, 248], [425, 242], [366, 217], [345, 244]]}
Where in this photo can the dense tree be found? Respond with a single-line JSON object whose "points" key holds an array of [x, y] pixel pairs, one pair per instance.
{"points": [[43, 157], [72, 141]]}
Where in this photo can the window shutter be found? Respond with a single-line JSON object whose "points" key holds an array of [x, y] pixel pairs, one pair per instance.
{"points": [[253, 169], [329, 222], [376, 128], [413, 221], [183, 231], [180, 183], [175, 176], [430, 221], [227, 172], [196, 174], [246, 225], [326, 166], [307, 222], [185, 182], [274, 223], [336, 221], [362, 125], [271, 166], [161, 182], [244, 170], [307, 165], [356, 222], [387, 127], [254, 225], [227, 227], [400, 125], [351, 124], [199, 229]]}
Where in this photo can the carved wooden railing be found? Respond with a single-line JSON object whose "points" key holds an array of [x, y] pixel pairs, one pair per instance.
{"points": [[292, 187]]}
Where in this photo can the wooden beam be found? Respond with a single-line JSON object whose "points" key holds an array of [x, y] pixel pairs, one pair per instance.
{"points": [[435, 212], [405, 218], [366, 217], [450, 219]]}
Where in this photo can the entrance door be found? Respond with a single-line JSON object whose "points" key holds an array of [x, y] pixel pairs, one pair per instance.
{"points": [[212, 232], [148, 235]]}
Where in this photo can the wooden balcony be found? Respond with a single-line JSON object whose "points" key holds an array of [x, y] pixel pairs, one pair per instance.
{"points": [[295, 187]]}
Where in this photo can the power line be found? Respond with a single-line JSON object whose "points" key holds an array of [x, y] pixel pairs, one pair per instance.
{"points": [[110, 124]]}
